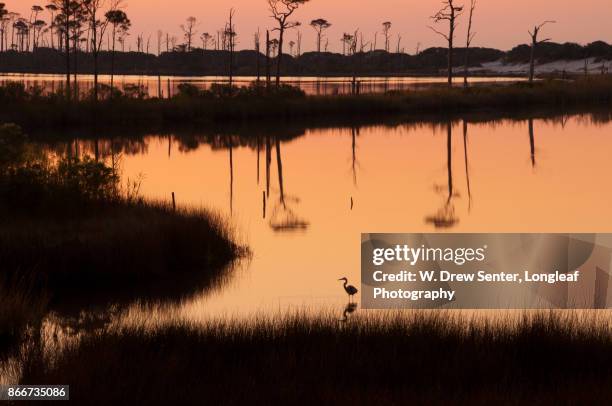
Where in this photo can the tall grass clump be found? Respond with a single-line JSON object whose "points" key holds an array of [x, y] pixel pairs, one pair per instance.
{"points": [[20, 306], [389, 358]]}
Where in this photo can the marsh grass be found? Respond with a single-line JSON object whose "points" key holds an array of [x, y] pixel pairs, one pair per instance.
{"points": [[20, 305], [112, 249], [388, 358], [192, 106], [71, 237]]}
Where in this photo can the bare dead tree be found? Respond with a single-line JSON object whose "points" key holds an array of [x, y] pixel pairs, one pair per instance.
{"points": [[320, 25], [449, 12], [281, 11], [534, 43], [160, 35], [468, 43], [267, 60], [387, 34], [347, 40], [291, 46], [189, 31], [230, 34], [206, 39], [257, 42]]}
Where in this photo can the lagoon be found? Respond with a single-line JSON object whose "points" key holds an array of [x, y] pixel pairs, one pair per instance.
{"points": [[323, 187]]}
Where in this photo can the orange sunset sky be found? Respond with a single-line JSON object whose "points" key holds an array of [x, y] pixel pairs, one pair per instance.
{"points": [[500, 24]]}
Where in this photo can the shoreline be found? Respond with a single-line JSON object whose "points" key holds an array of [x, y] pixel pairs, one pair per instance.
{"points": [[288, 105]]}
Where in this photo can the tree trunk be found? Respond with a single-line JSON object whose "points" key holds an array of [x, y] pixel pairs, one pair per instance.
{"points": [[450, 57], [532, 60], [280, 55], [67, 46], [268, 59], [466, 69], [112, 79], [95, 54]]}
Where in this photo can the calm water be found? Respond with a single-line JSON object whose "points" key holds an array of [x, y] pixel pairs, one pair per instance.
{"points": [[326, 186], [311, 85]]}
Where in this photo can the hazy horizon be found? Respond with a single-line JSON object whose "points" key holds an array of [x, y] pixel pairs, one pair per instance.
{"points": [[498, 25]]}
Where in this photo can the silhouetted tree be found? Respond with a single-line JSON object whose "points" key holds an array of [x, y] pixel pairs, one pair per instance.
{"points": [[281, 11], [64, 7], [347, 41], [22, 29], [33, 24], [121, 24], [11, 17], [273, 47], [189, 32], [37, 29], [267, 59], [320, 25], [230, 34], [449, 12], [35, 11], [387, 34], [52, 9], [257, 43], [97, 28], [76, 33], [534, 43], [206, 38], [468, 42], [4, 20], [291, 45]]}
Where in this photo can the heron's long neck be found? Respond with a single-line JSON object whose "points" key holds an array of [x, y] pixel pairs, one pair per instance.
{"points": [[345, 283]]}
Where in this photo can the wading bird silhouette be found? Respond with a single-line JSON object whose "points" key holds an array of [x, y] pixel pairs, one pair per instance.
{"points": [[350, 289]]}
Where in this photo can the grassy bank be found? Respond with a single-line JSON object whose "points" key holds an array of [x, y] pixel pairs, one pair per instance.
{"points": [[420, 357], [71, 234], [20, 305], [255, 104]]}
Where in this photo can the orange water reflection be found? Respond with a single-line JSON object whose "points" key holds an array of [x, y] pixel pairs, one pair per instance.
{"points": [[162, 86], [499, 177]]}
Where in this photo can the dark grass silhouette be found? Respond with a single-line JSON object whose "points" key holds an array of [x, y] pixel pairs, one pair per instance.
{"points": [[20, 305], [419, 357], [117, 250], [33, 110], [69, 235]]}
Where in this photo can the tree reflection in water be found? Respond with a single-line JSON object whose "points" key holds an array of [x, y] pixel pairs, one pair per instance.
{"points": [[445, 216]]}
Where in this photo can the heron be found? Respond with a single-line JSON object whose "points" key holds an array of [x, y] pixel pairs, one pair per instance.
{"points": [[350, 289]]}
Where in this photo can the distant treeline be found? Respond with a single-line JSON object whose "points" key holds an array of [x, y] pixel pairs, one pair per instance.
{"points": [[212, 62]]}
